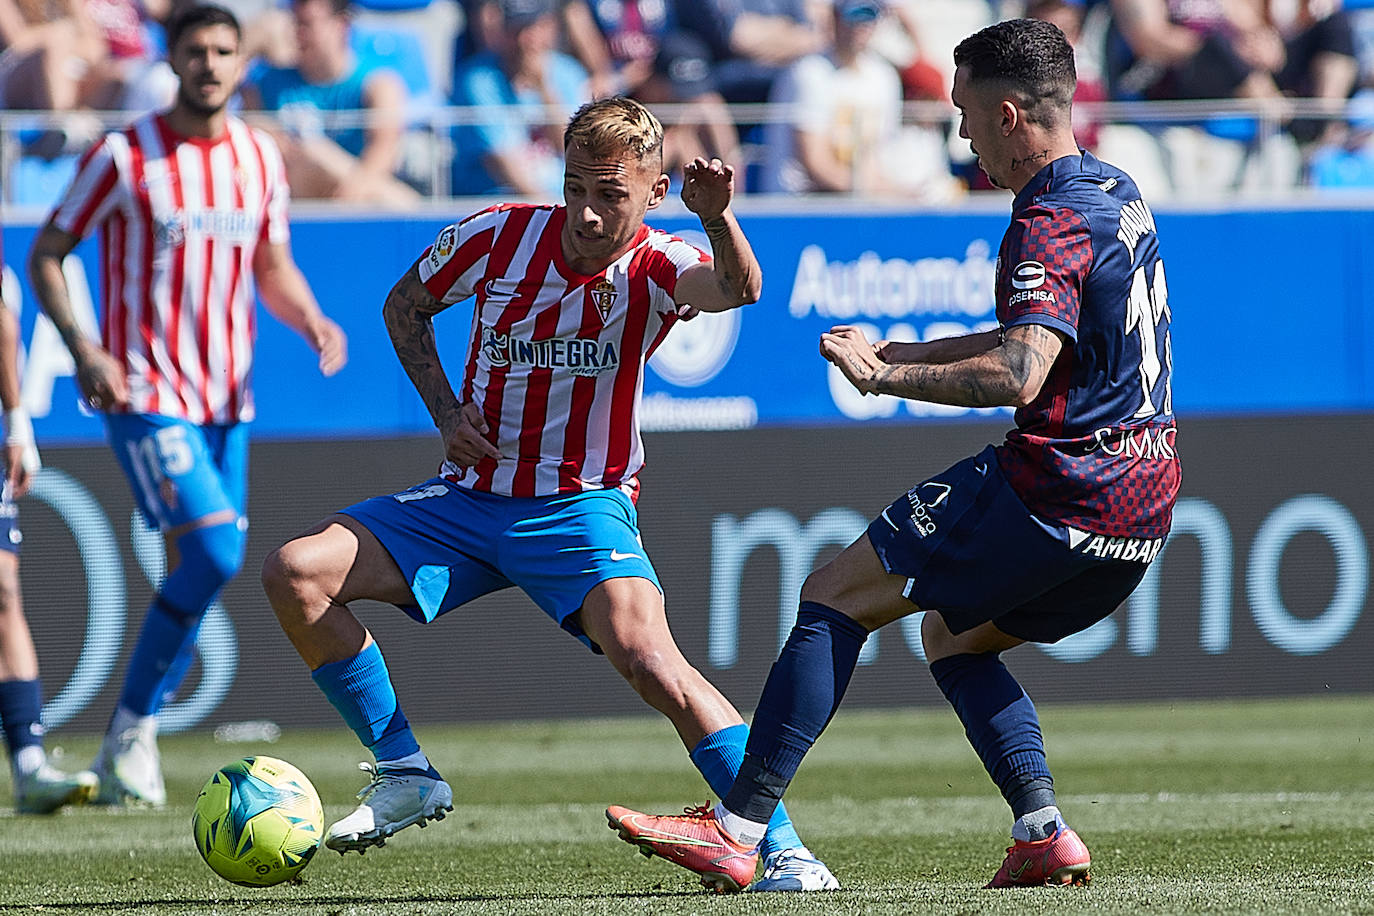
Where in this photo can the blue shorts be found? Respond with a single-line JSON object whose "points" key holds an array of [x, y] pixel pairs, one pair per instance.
{"points": [[453, 544], [972, 551], [179, 471]]}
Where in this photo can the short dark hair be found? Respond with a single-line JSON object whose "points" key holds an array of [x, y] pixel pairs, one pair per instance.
{"points": [[336, 7], [199, 16], [1030, 57]]}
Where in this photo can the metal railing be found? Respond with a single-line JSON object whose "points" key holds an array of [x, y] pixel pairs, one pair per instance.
{"points": [[431, 132]]}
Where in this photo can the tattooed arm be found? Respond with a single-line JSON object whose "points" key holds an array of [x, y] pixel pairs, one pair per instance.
{"points": [[734, 278], [1010, 374], [942, 350], [409, 312]]}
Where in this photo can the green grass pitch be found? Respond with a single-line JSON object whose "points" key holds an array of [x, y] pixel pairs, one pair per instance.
{"points": [[1235, 807]]}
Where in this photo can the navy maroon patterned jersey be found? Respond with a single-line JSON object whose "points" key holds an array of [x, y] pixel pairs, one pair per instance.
{"points": [[1095, 450]]}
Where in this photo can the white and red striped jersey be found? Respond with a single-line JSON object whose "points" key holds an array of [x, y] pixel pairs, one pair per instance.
{"points": [[555, 359], [180, 219]]}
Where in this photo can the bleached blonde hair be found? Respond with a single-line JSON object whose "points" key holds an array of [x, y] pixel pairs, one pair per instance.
{"points": [[615, 127]]}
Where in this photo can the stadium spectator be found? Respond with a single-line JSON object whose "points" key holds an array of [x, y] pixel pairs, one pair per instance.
{"points": [[1214, 49], [519, 91], [1320, 61], [634, 48], [70, 54], [844, 129], [171, 374], [1030, 541], [39, 787], [751, 41], [918, 36], [1068, 16], [702, 126], [541, 455], [341, 115], [1347, 160]]}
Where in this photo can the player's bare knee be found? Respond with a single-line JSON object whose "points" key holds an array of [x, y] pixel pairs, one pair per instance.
{"points": [[936, 638], [653, 672], [820, 586], [289, 582]]}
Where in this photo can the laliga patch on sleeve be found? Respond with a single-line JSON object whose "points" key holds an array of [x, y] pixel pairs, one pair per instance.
{"points": [[443, 246], [1028, 275]]}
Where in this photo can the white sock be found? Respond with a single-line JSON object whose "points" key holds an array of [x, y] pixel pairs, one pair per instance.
{"points": [[29, 760], [125, 719], [742, 830], [415, 761], [1037, 824]]}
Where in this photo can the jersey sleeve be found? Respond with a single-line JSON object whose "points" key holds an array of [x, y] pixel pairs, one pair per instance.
{"points": [[93, 192], [275, 229], [671, 258], [451, 267], [1046, 259]]}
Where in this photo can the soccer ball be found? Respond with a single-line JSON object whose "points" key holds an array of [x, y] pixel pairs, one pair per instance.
{"points": [[258, 821]]}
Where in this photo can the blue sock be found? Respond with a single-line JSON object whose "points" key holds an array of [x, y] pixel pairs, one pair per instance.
{"points": [[802, 693], [1002, 726], [176, 671], [718, 757], [168, 635], [360, 689], [209, 558], [21, 709]]}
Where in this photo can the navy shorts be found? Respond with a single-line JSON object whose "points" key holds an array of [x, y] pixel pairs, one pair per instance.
{"points": [[972, 551], [454, 544]]}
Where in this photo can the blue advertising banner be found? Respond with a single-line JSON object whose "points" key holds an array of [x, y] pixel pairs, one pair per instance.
{"points": [[1268, 314]]}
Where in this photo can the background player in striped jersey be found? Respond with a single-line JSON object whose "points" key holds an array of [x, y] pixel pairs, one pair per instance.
{"points": [[39, 787], [541, 448], [1032, 540], [191, 207]]}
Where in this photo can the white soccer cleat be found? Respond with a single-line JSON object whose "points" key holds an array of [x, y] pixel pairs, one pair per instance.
{"points": [[793, 870], [393, 800], [129, 768], [46, 789]]}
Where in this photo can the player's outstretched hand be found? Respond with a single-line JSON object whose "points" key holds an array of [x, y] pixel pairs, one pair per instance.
{"points": [[101, 378], [707, 187], [331, 344], [849, 350], [465, 443]]}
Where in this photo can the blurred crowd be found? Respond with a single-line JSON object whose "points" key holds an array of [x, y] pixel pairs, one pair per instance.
{"points": [[383, 102]]}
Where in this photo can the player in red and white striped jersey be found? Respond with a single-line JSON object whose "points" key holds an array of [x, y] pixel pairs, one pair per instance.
{"points": [[190, 206], [541, 448], [556, 357]]}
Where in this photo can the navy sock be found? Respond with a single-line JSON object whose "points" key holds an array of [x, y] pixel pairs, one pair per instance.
{"points": [[718, 757], [803, 691], [21, 709], [1002, 726], [167, 634], [360, 689]]}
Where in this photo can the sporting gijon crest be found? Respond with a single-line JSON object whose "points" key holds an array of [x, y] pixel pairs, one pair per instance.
{"points": [[603, 293]]}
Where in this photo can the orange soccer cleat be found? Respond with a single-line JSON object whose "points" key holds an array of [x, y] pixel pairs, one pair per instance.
{"points": [[693, 840], [1058, 859]]}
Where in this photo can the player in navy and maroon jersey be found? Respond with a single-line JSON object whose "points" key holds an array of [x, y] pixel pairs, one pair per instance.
{"points": [[1032, 540]]}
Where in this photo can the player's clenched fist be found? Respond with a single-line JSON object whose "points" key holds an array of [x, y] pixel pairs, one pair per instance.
{"points": [[707, 187]]}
